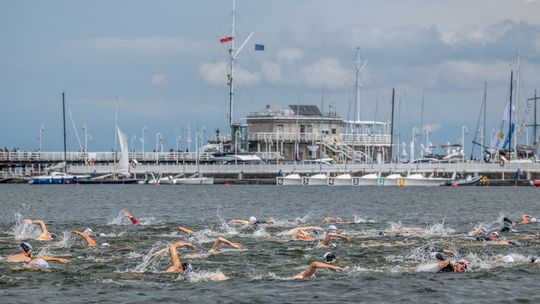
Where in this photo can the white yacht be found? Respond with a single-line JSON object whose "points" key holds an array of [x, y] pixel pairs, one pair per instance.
{"points": [[366, 180], [319, 179], [390, 180]]}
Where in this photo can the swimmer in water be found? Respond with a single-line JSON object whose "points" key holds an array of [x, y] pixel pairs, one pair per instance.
{"points": [[86, 235], [527, 219], [478, 231], [219, 241], [329, 263], [445, 265], [176, 245], [306, 233], [332, 232], [175, 260], [492, 238], [131, 218], [191, 234], [45, 235], [332, 220], [25, 254], [252, 222], [42, 262]]}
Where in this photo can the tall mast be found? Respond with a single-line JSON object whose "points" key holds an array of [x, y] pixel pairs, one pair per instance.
{"points": [[321, 132], [230, 75], [485, 111], [510, 118], [357, 104], [64, 124], [392, 126], [422, 118], [517, 128], [115, 127]]}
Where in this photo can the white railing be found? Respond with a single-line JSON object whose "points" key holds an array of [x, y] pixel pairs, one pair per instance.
{"points": [[349, 139]]}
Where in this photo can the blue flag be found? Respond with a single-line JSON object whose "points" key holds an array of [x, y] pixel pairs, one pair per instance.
{"points": [[259, 47]]}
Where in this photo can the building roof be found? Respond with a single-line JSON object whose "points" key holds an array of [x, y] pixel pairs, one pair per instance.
{"points": [[305, 110]]}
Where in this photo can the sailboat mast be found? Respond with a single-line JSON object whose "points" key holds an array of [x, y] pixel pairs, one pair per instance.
{"points": [[321, 132], [485, 111], [392, 127], [357, 103], [517, 128], [510, 117], [64, 124], [230, 75]]}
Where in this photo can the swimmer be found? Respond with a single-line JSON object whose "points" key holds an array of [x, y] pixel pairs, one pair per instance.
{"points": [[131, 218], [445, 265], [329, 263], [527, 219], [191, 234], [251, 222], [219, 241], [45, 235], [306, 233], [25, 254], [478, 231], [176, 245], [42, 262], [176, 265], [332, 232], [490, 237], [86, 235], [332, 220]]}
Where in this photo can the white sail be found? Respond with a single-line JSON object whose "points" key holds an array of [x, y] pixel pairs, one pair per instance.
{"points": [[122, 166]]}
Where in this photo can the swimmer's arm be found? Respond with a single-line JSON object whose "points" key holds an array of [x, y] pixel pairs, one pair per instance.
{"points": [[310, 228], [220, 240], [336, 235], [442, 264], [448, 252], [43, 227], [176, 245], [131, 217], [240, 222], [49, 259], [176, 266], [89, 241], [185, 230], [310, 270]]}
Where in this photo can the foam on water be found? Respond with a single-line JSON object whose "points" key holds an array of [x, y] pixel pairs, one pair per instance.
{"points": [[148, 263], [203, 276]]}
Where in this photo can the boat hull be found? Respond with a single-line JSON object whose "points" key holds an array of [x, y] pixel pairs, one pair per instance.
{"points": [[315, 181], [194, 181]]}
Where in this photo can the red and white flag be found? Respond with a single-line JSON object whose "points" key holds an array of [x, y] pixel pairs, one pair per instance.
{"points": [[226, 39]]}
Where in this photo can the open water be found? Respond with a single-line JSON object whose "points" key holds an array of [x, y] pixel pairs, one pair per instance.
{"points": [[385, 261]]}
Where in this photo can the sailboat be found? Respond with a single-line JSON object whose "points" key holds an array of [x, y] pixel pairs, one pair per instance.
{"points": [[120, 173], [56, 177]]}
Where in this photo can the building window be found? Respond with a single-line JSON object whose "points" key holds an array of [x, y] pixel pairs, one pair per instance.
{"points": [[334, 130]]}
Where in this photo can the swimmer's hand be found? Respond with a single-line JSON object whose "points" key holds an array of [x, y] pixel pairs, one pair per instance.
{"points": [[126, 213], [62, 261], [27, 221], [236, 245]]}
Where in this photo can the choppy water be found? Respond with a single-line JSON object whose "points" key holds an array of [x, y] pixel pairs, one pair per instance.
{"points": [[384, 262]]}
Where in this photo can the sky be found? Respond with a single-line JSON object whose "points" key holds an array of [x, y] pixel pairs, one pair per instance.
{"points": [[163, 63]]}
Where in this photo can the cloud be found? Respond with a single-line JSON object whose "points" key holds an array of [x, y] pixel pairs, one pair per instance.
{"points": [[326, 72], [216, 74], [159, 80], [272, 72], [289, 55]]}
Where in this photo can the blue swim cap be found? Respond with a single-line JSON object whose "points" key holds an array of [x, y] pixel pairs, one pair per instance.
{"points": [[25, 246], [40, 264], [186, 267]]}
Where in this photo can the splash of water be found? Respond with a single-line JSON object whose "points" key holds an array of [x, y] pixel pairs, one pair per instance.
{"points": [[23, 230], [203, 276], [149, 263]]}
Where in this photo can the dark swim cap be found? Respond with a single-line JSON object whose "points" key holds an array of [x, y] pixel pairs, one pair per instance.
{"points": [[329, 257], [53, 236], [187, 267], [25, 246]]}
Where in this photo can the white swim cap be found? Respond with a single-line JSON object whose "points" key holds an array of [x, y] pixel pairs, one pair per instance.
{"points": [[105, 245], [532, 220], [252, 220], [508, 259], [40, 264], [331, 228], [88, 231], [102, 235]]}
